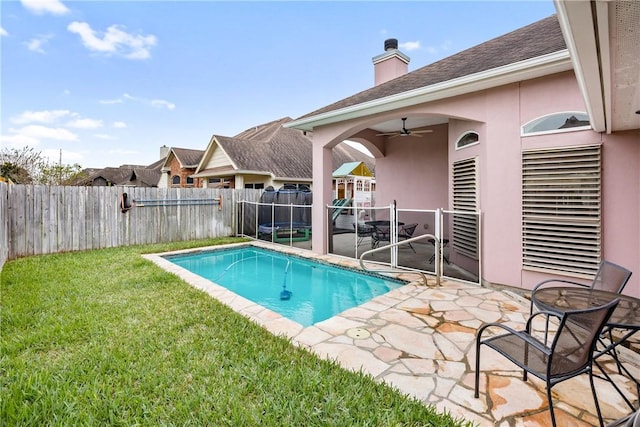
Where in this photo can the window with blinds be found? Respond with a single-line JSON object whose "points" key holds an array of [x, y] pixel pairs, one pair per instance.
{"points": [[465, 198], [561, 202]]}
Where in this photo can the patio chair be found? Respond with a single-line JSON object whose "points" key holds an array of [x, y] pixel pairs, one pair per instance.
{"points": [[363, 231], [570, 353], [610, 277], [381, 233], [631, 420], [406, 232]]}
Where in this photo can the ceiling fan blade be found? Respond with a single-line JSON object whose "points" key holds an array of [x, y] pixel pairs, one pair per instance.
{"points": [[387, 134], [421, 131]]}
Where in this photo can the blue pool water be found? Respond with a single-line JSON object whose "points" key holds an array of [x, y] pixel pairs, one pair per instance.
{"points": [[302, 290]]}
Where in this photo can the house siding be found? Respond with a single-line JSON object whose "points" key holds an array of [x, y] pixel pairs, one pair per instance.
{"points": [[218, 160], [417, 172]]}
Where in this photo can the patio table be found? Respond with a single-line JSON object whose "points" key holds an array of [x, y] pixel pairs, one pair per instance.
{"points": [[625, 318], [381, 231]]}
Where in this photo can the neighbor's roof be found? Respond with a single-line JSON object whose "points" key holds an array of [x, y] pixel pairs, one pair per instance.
{"points": [[188, 158], [279, 151], [532, 41]]}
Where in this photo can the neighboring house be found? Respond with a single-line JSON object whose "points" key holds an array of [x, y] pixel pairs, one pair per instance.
{"points": [[266, 155], [178, 167], [125, 175], [537, 129]]}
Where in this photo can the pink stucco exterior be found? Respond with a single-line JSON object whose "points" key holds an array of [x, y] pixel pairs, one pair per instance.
{"points": [[416, 172]]}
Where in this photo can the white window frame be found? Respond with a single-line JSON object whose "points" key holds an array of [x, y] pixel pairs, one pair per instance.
{"points": [[467, 145], [523, 133]]}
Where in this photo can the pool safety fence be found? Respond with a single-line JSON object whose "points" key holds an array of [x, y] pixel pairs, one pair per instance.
{"points": [[275, 222], [454, 251]]}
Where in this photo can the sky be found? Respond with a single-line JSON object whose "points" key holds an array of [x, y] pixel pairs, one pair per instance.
{"points": [[107, 83]]}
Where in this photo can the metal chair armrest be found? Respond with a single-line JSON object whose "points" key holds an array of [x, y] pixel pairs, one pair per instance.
{"points": [[523, 335]]}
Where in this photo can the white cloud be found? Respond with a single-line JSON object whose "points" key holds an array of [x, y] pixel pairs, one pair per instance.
{"points": [[18, 141], [119, 125], [409, 46], [43, 132], [111, 101], [46, 116], [85, 124], [160, 103], [105, 136], [36, 44], [114, 41], [40, 7], [156, 103], [3, 32]]}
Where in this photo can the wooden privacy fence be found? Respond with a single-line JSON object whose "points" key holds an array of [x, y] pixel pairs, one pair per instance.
{"points": [[4, 224], [50, 219]]}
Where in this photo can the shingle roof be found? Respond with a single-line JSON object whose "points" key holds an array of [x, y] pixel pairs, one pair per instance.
{"points": [[125, 175], [188, 157], [271, 148], [534, 40]]}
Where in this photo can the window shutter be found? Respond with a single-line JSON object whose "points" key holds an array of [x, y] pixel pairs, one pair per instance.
{"points": [[561, 211], [465, 190]]}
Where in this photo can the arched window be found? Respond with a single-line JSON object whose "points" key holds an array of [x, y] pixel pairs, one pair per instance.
{"points": [[175, 180], [467, 139], [557, 122]]}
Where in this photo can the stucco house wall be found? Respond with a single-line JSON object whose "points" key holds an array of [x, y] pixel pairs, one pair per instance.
{"points": [[417, 172]]}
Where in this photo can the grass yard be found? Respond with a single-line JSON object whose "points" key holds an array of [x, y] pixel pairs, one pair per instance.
{"points": [[106, 338]]}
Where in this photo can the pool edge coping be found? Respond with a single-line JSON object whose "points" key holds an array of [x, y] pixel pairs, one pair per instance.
{"points": [[268, 319]]}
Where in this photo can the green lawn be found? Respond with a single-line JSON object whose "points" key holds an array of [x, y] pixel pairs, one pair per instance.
{"points": [[107, 338]]}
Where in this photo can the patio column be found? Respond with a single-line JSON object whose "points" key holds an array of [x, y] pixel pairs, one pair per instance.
{"points": [[322, 194]]}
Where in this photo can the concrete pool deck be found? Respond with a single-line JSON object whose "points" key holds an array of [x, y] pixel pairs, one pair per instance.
{"points": [[420, 339]]}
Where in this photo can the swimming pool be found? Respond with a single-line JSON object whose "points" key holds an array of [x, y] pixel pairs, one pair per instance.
{"points": [[303, 290]]}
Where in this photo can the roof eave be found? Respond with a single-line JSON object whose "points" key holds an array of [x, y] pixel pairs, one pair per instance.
{"points": [[529, 69], [290, 179], [577, 25]]}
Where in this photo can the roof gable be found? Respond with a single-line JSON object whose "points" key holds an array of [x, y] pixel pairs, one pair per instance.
{"points": [[272, 149]]}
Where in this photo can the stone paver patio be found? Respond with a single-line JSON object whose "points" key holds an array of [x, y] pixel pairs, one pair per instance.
{"points": [[421, 340]]}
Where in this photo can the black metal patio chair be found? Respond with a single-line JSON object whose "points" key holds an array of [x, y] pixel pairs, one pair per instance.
{"points": [[610, 277], [363, 231], [570, 353], [631, 420], [406, 232]]}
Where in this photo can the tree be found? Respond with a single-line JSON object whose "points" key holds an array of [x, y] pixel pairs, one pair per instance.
{"points": [[15, 173], [27, 166], [20, 165], [57, 174]]}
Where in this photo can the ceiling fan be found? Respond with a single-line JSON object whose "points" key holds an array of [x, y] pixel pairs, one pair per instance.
{"points": [[404, 131]]}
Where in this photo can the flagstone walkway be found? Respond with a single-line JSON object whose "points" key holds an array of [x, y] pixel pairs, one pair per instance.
{"points": [[421, 340]]}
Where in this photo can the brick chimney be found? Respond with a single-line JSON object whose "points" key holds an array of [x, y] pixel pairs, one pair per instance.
{"points": [[390, 64]]}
